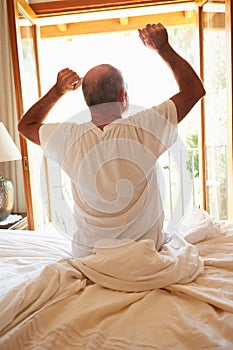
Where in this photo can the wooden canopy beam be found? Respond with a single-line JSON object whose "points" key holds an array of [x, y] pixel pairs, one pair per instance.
{"points": [[67, 6]]}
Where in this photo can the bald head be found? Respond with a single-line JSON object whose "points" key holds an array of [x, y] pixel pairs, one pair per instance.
{"points": [[102, 84]]}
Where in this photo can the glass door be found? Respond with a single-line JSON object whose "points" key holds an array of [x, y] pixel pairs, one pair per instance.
{"points": [[24, 32], [29, 70], [215, 106]]}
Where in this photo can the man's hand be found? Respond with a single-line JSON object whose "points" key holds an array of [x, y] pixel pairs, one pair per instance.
{"points": [[154, 36], [67, 80]]}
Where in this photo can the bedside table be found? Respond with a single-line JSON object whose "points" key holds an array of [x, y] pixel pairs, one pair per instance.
{"points": [[20, 224]]}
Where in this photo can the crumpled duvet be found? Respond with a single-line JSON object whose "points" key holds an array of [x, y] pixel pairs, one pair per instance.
{"points": [[136, 266]]}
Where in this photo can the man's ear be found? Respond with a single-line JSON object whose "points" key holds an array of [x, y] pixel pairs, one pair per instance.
{"points": [[122, 96], [123, 99]]}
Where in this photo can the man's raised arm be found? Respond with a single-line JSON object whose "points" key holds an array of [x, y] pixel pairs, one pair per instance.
{"points": [[190, 86], [31, 121]]}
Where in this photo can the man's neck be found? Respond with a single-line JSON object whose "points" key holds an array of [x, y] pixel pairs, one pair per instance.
{"points": [[104, 116], [102, 121]]}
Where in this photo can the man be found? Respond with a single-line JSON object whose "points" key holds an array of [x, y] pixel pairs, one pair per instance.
{"points": [[110, 160]]}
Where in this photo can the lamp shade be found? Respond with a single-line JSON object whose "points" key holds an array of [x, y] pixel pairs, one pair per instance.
{"points": [[8, 149]]}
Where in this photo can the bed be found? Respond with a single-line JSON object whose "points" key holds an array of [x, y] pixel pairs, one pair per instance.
{"points": [[123, 296]]}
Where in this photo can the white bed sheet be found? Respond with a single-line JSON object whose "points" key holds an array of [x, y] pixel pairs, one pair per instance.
{"points": [[24, 254]]}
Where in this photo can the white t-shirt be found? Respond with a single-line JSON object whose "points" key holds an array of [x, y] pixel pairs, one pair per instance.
{"points": [[113, 174]]}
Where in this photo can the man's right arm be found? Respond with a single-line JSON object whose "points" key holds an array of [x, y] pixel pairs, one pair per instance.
{"points": [[191, 89], [32, 120]]}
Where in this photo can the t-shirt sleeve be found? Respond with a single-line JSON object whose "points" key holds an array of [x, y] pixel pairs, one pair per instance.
{"points": [[56, 139], [160, 123]]}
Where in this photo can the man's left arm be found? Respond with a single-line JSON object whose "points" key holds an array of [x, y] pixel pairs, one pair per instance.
{"points": [[31, 121]]}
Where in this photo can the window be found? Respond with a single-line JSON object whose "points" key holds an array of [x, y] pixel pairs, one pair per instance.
{"points": [[149, 82]]}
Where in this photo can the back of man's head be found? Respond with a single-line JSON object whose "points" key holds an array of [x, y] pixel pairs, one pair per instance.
{"points": [[102, 84]]}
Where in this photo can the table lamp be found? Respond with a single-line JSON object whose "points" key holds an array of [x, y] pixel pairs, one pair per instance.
{"points": [[8, 152]]}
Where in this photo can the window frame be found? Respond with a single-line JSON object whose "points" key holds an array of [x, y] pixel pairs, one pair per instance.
{"points": [[114, 24]]}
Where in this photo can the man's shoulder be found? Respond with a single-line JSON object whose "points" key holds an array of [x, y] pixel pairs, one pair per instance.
{"points": [[64, 127], [137, 114], [57, 133]]}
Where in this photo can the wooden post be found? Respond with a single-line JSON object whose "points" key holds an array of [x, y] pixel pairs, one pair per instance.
{"points": [[12, 15]]}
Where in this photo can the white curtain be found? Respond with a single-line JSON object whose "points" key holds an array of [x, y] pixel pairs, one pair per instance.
{"points": [[8, 114]]}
